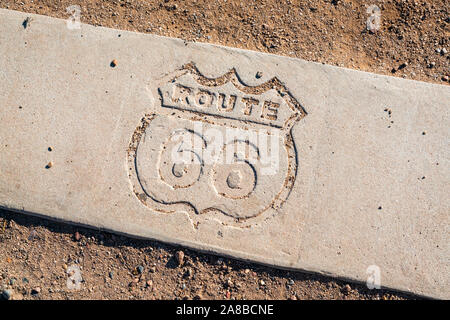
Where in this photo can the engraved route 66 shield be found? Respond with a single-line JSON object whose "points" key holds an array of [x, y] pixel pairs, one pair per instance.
{"points": [[217, 148]]}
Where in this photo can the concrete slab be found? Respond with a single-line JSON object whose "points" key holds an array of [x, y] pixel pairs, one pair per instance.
{"points": [[304, 166]]}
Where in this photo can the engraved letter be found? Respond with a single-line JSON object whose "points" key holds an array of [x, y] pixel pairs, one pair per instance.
{"points": [[249, 103], [181, 94], [270, 110], [204, 98], [224, 104]]}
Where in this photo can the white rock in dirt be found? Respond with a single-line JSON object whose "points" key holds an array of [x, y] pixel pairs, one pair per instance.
{"points": [[310, 167]]}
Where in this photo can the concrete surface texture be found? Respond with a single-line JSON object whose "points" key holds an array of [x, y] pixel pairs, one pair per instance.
{"points": [[259, 157]]}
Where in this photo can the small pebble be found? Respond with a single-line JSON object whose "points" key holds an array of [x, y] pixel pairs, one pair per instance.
{"points": [[77, 236], [49, 165], [111, 274], [443, 51], [259, 74], [113, 63], [5, 295], [403, 65], [35, 291], [198, 296], [347, 289], [262, 282], [140, 269], [179, 257]]}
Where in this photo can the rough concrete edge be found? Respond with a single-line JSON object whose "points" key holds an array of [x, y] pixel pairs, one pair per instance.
{"points": [[324, 66]]}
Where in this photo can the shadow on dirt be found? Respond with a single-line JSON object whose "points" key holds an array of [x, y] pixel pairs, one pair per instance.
{"points": [[114, 240]]}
